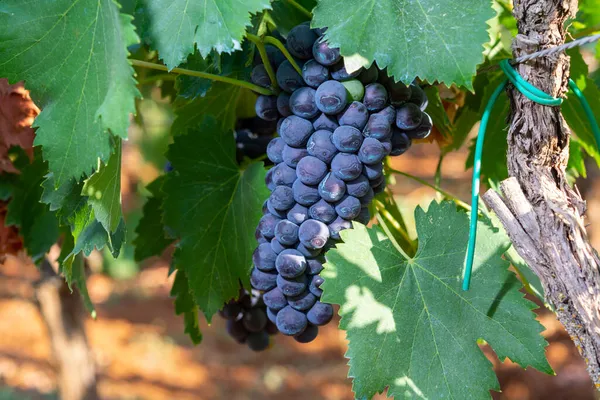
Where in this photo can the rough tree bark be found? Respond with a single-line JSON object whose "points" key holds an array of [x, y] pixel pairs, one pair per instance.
{"points": [[543, 216]]}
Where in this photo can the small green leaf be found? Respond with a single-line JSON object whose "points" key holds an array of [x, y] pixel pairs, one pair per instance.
{"points": [[184, 304], [432, 39], [214, 208], [412, 328]]}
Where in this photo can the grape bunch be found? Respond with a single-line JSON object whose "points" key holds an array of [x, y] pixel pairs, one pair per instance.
{"points": [[335, 129], [247, 320]]}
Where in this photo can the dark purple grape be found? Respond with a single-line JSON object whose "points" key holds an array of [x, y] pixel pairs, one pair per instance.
{"points": [[400, 142], [260, 239], [358, 187], [280, 121], [418, 96], [322, 211], [276, 246], [375, 97], [314, 73], [264, 257], [377, 181], [265, 208], [390, 113], [346, 166], [263, 280], [408, 116], [331, 97], [347, 139], [368, 198], [320, 146], [283, 175], [290, 263], [288, 78], [303, 301], [302, 103], [274, 211], [283, 105], [311, 170], [364, 216], [314, 266], [371, 151], [310, 333], [291, 322], [324, 54], [423, 130], [275, 299], [259, 76], [275, 149], [304, 194], [300, 41], [282, 198], [320, 314], [313, 234], [373, 171], [295, 131], [254, 320], [266, 108], [231, 310], [399, 92], [286, 232], [272, 315], [306, 252], [275, 56], [293, 286], [315, 285], [237, 331], [338, 225], [348, 208], [298, 214], [369, 75], [292, 155], [340, 73], [325, 122], [258, 341], [332, 188], [266, 225], [378, 127], [355, 115], [387, 146]]}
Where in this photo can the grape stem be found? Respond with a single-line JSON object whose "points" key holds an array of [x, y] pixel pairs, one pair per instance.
{"points": [[275, 42], [205, 75], [299, 7], [385, 214], [265, 59]]}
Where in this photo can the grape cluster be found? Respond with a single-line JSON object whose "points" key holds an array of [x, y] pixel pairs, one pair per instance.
{"points": [[335, 128], [247, 320]]}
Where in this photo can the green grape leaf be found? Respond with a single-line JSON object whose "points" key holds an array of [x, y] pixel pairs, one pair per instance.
{"points": [[184, 304], [410, 325], [431, 39], [65, 199], [73, 57], [73, 269], [214, 208], [178, 26]]}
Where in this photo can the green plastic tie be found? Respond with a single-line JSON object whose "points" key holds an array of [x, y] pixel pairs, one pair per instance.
{"points": [[533, 94]]}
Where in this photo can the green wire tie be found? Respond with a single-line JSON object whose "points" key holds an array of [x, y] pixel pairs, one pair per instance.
{"points": [[533, 94]]}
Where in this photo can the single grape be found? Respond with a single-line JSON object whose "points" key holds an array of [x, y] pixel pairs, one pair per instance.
{"points": [[367, 198], [271, 328], [302, 103], [269, 179], [373, 171], [387, 146], [254, 320], [324, 54], [310, 333], [378, 127], [304, 194], [377, 181], [263, 280], [237, 331], [288, 78], [331, 97], [274, 211], [347, 139], [310, 170], [303, 301], [266, 107], [364, 216], [258, 341], [275, 56], [292, 286], [314, 266], [306, 252], [325, 122], [418, 96], [264, 257], [346, 166], [231, 310], [375, 97], [358, 187], [340, 73], [320, 313], [286, 232], [300, 41], [283, 105], [283, 175], [315, 285], [408, 116], [338, 225], [297, 214], [400, 142], [259, 76], [272, 315], [292, 155], [260, 239], [266, 225], [423, 130], [275, 149], [276, 246], [355, 115], [322, 211], [275, 299], [290, 263], [390, 113], [399, 92], [348, 208], [371, 151], [332, 188], [369, 75], [314, 73], [282, 198], [313, 234], [295, 131], [320, 145], [291, 322], [355, 89]]}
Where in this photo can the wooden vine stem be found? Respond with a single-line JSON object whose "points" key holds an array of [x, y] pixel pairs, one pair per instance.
{"points": [[541, 213]]}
